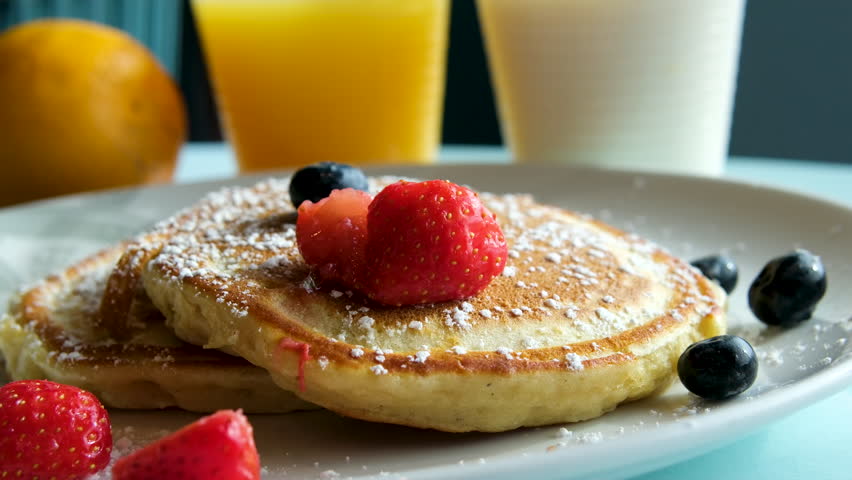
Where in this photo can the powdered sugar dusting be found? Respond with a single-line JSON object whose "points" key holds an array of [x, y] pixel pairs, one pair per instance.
{"points": [[420, 356], [561, 267], [574, 361]]}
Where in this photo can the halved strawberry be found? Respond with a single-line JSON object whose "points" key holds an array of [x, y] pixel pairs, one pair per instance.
{"points": [[332, 235], [430, 242], [218, 446]]}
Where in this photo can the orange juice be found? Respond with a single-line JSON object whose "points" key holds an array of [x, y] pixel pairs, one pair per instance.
{"points": [[300, 81]]}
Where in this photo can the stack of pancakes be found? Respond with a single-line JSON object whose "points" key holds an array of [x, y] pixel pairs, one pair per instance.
{"points": [[215, 308]]}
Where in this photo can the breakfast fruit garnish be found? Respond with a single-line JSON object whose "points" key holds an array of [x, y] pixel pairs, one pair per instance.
{"points": [[414, 243], [719, 268], [219, 446], [332, 235], [317, 181], [430, 242], [50, 430], [787, 290], [718, 368], [84, 106]]}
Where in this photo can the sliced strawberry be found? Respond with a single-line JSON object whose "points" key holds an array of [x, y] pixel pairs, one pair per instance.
{"points": [[219, 446], [332, 235], [50, 430], [430, 242]]}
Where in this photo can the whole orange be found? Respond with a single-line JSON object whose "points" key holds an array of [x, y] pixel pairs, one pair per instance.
{"points": [[83, 106]]}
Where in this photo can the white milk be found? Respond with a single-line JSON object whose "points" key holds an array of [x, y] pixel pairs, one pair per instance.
{"points": [[640, 84]]}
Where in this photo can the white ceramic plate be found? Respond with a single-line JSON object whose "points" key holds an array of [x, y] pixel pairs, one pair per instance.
{"points": [[690, 216]]}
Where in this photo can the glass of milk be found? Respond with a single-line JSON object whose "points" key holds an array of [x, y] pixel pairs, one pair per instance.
{"points": [[636, 84]]}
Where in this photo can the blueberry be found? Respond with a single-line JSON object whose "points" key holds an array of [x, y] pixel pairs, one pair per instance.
{"points": [[720, 269], [718, 368], [787, 290], [316, 181]]}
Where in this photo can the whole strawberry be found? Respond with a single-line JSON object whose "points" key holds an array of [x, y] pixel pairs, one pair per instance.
{"points": [[49, 430], [430, 242], [219, 446]]}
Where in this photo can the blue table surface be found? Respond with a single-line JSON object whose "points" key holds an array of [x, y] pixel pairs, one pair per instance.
{"points": [[811, 443]]}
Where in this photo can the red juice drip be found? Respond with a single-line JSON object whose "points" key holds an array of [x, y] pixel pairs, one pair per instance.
{"points": [[304, 355]]}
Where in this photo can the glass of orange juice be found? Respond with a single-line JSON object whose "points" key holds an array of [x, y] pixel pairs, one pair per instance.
{"points": [[301, 81]]}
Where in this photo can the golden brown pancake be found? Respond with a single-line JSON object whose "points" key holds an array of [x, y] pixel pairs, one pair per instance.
{"points": [[52, 332], [584, 317]]}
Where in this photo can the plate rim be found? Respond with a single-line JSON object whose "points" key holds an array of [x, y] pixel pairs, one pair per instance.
{"points": [[393, 169]]}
